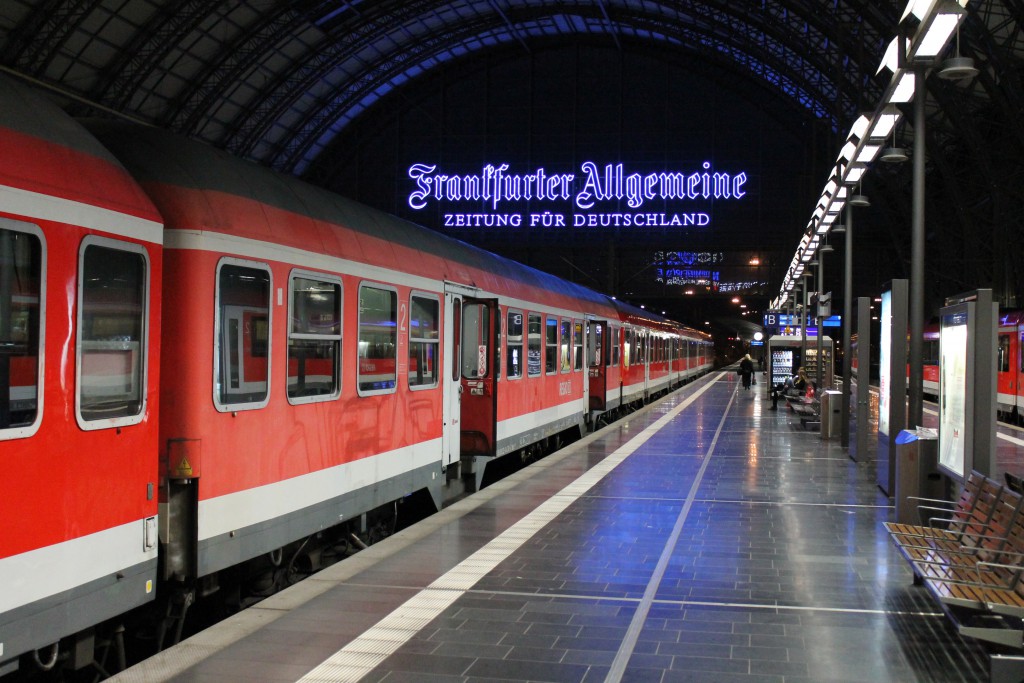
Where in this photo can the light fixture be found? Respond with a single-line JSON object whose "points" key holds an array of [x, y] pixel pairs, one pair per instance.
{"points": [[857, 199], [901, 88], [887, 119], [825, 249], [838, 229], [939, 19], [893, 154], [957, 68]]}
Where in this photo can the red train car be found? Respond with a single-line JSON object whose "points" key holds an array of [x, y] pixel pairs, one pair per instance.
{"points": [[1009, 364], [80, 275], [323, 359], [320, 362]]}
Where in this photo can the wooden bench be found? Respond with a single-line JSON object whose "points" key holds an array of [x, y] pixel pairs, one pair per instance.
{"points": [[969, 554]]}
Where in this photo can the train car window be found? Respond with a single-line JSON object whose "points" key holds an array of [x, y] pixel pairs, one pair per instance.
{"points": [[551, 346], [514, 344], [577, 345], [424, 341], [314, 338], [456, 339], [22, 294], [242, 354], [615, 340], [113, 304], [595, 344], [565, 361], [476, 339], [1003, 363], [533, 345], [378, 340], [627, 347]]}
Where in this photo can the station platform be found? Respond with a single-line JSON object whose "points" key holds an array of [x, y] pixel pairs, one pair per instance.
{"points": [[703, 538]]}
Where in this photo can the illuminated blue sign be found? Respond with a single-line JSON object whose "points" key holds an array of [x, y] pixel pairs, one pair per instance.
{"points": [[494, 189]]}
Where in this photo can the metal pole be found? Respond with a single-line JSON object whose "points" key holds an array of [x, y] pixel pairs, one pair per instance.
{"points": [[803, 322], [820, 365], [844, 434], [915, 384]]}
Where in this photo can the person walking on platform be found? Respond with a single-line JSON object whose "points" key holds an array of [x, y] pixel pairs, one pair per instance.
{"points": [[747, 371]]}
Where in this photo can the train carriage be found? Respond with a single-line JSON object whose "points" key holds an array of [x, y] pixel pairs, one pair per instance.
{"points": [[324, 359], [80, 274], [204, 363]]}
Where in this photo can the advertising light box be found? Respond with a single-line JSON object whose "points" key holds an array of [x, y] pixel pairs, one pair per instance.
{"points": [[953, 368]]}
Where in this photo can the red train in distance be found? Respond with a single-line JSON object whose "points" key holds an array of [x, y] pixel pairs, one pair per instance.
{"points": [[204, 364], [1009, 365]]}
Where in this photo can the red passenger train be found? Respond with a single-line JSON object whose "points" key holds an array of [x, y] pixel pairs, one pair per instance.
{"points": [[204, 363], [1009, 365]]}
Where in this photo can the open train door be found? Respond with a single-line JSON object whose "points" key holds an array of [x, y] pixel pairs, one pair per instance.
{"points": [[452, 382], [481, 356], [597, 368]]}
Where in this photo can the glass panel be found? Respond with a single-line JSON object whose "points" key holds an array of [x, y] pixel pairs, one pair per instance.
{"points": [[21, 263], [514, 344], [314, 338], [577, 345], [378, 339], [534, 343], [111, 328], [424, 340], [551, 346], [457, 341], [243, 295], [1003, 363], [475, 340], [563, 350]]}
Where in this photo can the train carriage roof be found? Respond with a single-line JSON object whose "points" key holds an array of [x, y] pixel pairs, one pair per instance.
{"points": [[48, 152], [159, 160]]}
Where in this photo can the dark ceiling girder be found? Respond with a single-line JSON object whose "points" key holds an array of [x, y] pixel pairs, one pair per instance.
{"points": [[725, 22]]}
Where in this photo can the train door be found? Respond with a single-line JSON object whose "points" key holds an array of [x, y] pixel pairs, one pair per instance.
{"points": [[646, 352], [597, 370], [1006, 391], [481, 354], [452, 382]]}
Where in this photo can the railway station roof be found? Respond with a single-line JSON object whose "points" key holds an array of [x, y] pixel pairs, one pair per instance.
{"points": [[277, 82]]}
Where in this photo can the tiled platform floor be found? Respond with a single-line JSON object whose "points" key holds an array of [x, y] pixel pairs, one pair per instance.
{"points": [[730, 546]]}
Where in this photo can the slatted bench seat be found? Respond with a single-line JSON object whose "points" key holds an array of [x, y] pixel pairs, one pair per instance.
{"points": [[970, 557], [809, 411], [950, 524]]}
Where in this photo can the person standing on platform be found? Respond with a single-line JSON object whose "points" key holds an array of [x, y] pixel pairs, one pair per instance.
{"points": [[747, 371]]}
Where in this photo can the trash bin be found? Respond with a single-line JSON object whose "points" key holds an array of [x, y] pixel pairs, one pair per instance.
{"points": [[831, 409], [917, 472]]}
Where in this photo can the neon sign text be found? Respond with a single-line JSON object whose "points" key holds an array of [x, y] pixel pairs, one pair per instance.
{"points": [[495, 185]]}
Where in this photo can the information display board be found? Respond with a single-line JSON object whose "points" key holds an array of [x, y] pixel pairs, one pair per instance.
{"points": [[884, 371], [967, 384], [953, 369], [892, 381]]}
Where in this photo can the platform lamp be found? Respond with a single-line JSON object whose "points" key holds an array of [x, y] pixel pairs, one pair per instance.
{"points": [[925, 30], [825, 248], [957, 68], [807, 278]]}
